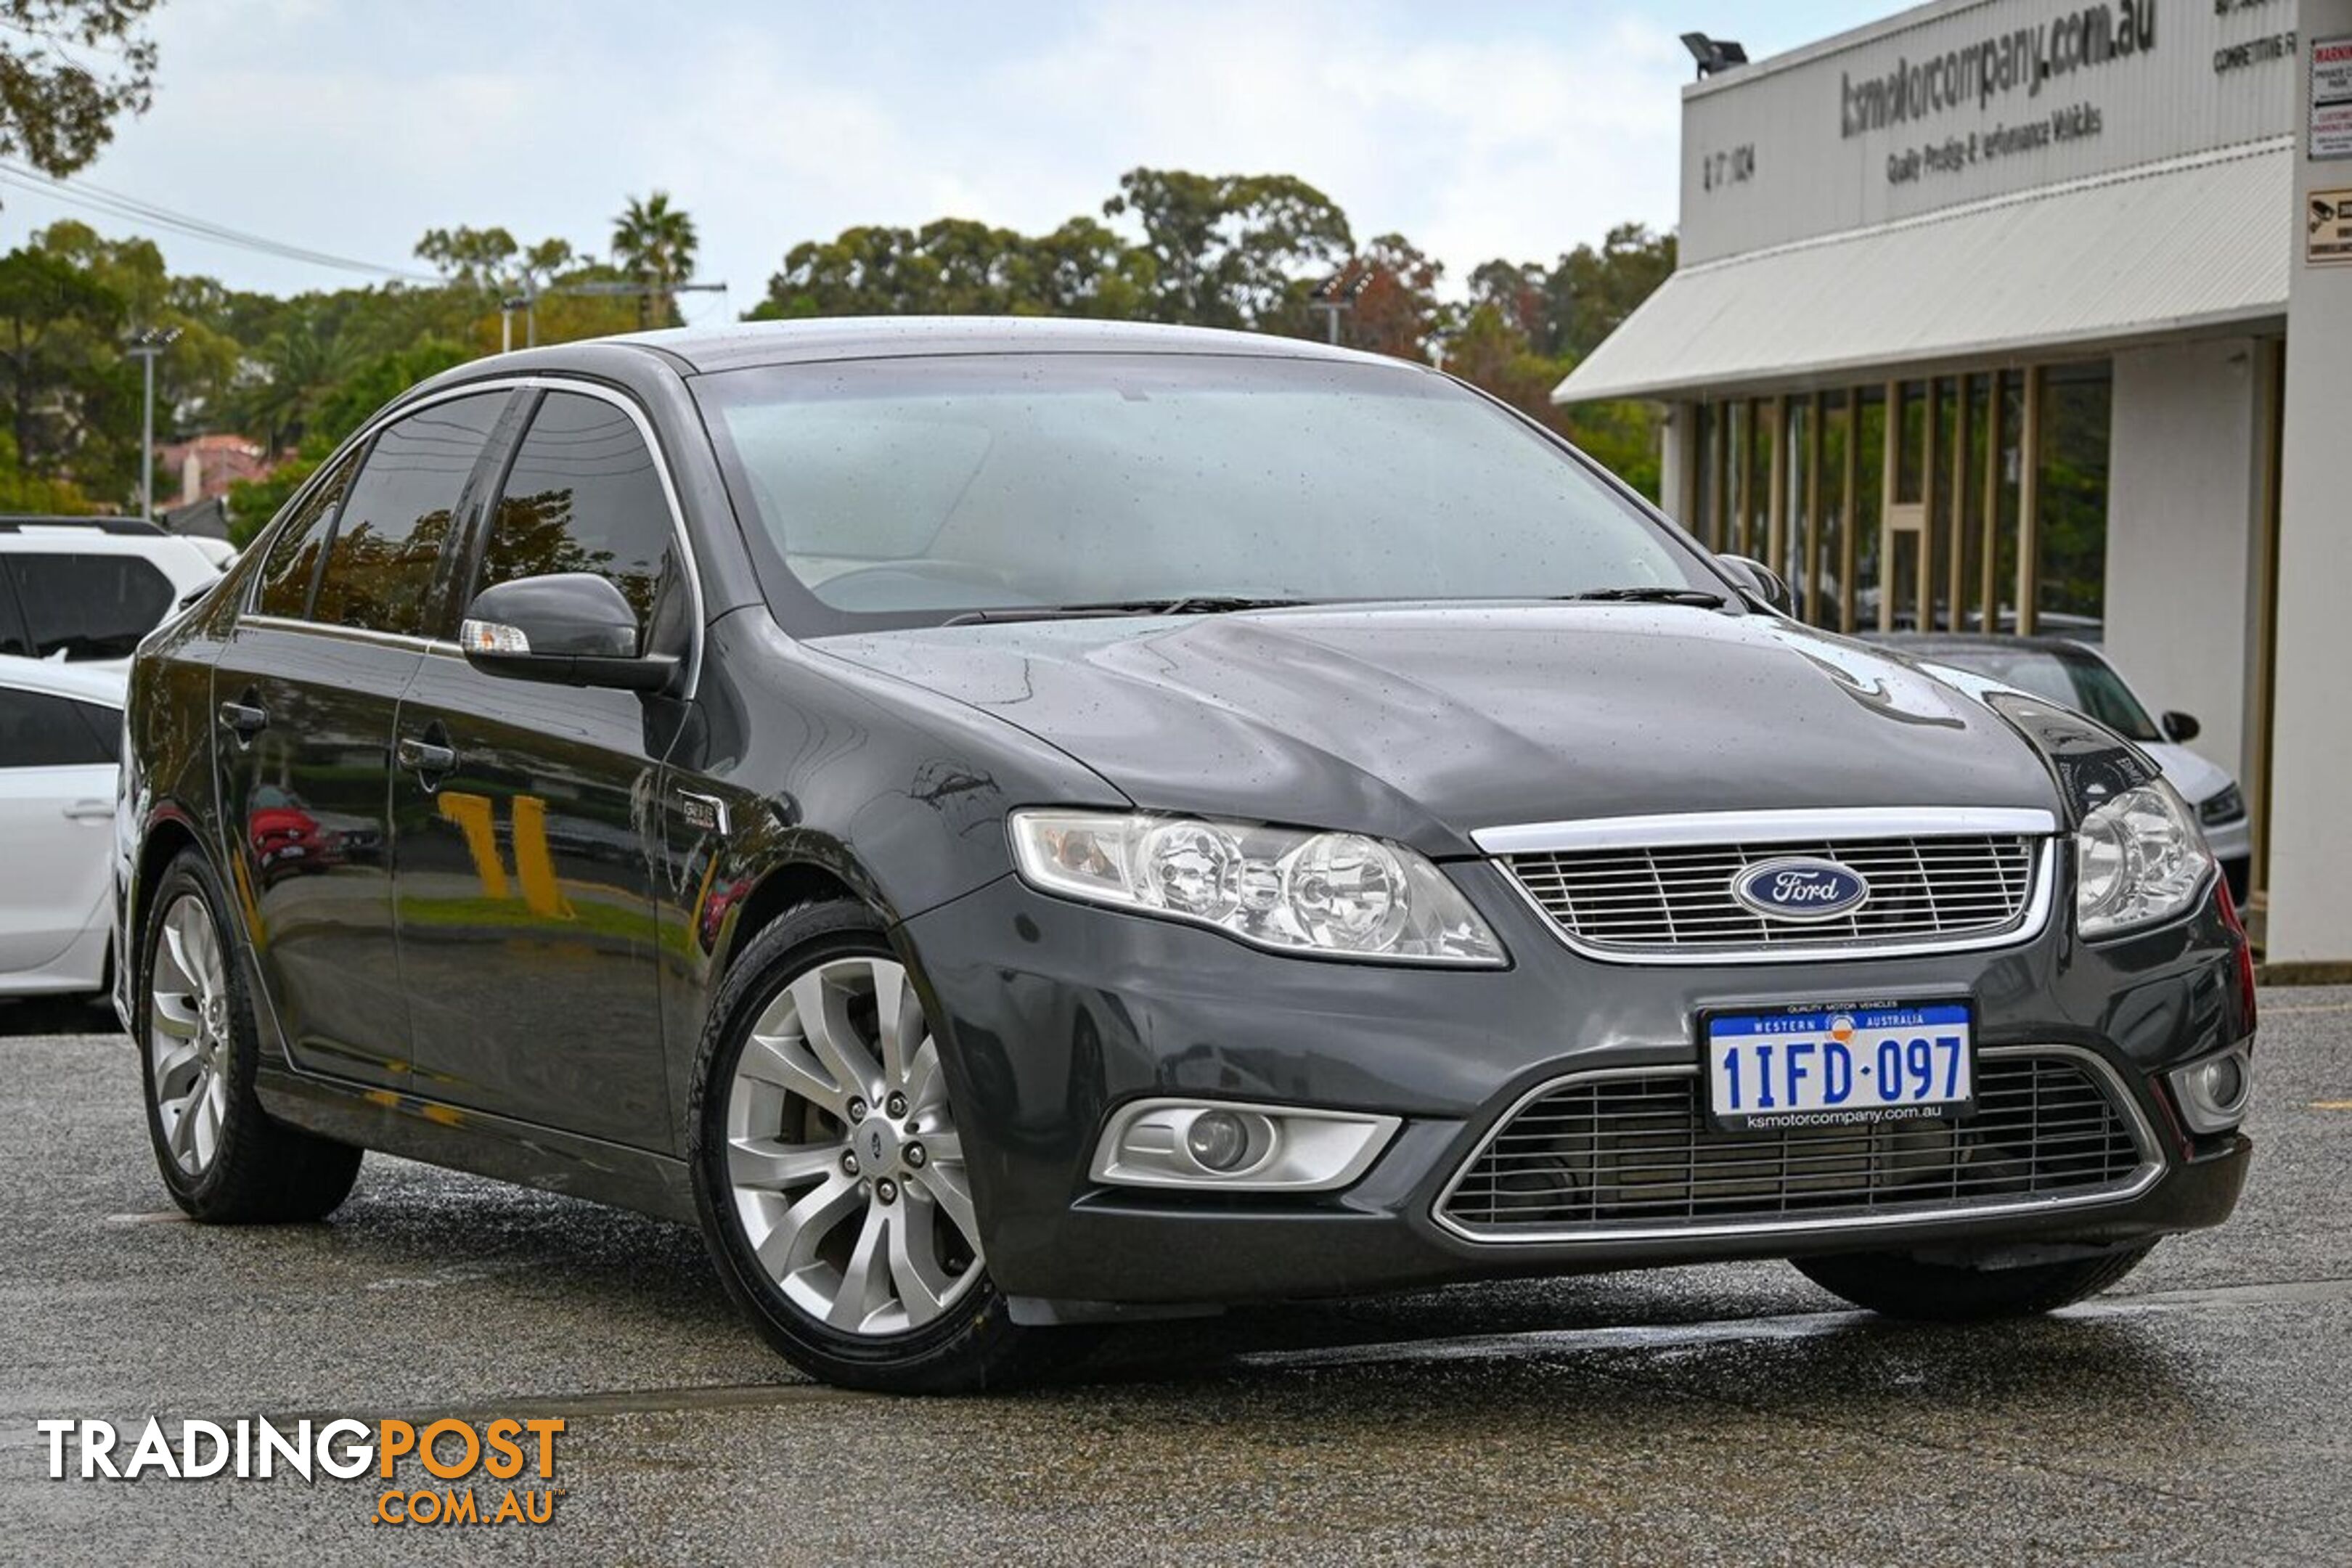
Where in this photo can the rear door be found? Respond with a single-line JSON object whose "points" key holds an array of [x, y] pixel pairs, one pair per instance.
{"points": [[305, 693], [521, 851], [58, 759]]}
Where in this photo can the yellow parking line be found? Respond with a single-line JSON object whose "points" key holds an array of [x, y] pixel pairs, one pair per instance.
{"points": [[2331, 1105]]}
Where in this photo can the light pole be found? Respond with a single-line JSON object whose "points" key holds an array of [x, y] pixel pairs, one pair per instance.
{"points": [[145, 347], [1337, 293]]}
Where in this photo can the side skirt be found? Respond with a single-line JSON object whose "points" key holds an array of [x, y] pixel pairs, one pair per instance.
{"points": [[425, 1130]]}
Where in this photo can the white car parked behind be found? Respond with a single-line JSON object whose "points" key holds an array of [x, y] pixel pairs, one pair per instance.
{"points": [[87, 588], [60, 747], [2073, 673]]}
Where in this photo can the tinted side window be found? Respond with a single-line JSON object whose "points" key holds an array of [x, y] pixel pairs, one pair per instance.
{"points": [[293, 562], [38, 731], [14, 638], [584, 496], [398, 513], [89, 607]]}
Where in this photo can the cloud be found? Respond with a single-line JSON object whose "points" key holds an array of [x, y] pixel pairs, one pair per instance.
{"points": [[1474, 133], [1471, 148]]}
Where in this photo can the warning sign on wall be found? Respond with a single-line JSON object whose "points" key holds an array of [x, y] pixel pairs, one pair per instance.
{"points": [[2331, 97], [2327, 228]]}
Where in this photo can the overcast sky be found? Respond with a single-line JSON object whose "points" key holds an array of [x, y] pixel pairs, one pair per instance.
{"points": [[1477, 129]]}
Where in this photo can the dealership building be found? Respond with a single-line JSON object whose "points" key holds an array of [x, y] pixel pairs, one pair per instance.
{"points": [[2037, 315]]}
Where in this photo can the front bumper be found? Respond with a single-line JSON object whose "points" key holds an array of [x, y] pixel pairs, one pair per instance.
{"points": [[1057, 1013]]}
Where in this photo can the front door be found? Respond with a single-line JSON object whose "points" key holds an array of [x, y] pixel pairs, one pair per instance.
{"points": [[521, 814], [305, 694]]}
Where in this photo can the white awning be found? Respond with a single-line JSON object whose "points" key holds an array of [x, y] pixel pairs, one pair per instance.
{"points": [[2194, 242]]}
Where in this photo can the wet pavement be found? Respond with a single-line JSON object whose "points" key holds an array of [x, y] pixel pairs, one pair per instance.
{"points": [[2203, 1412]]}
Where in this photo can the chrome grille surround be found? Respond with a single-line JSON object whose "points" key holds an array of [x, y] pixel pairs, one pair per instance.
{"points": [[1658, 889], [2085, 1141]]}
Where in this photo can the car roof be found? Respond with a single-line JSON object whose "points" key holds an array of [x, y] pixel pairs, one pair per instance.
{"points": [[35, 522], [102, 685], [175, 554], [743, 344]]}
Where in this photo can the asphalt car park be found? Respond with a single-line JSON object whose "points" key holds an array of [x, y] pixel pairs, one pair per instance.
{"points": [[1726, 1414]]}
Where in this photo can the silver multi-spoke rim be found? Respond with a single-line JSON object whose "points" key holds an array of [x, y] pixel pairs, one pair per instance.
{"points": [[842, 1155], [188, 1034]]}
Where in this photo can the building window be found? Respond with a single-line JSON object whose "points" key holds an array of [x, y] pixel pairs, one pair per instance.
{"points": [[2071, 572]]}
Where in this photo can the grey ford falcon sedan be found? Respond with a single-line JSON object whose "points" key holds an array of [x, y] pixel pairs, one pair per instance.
{"points": [[1010, 825]]}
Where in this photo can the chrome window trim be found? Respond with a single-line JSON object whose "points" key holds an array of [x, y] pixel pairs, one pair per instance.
{"points": [[1681, 829], [2143, 1176], [345, 633], [542, 382]]}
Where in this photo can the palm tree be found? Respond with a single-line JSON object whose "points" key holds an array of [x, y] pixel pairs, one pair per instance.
{"points": [[655, 242], [280, 389]]}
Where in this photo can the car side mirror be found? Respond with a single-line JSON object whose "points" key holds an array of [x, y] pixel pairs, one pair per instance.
{"points": [[1760, 580], [2181, 728], [571, 628]]}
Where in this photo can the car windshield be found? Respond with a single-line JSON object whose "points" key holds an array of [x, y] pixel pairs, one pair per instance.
{"points": [[903, 491], [2082, 681]]}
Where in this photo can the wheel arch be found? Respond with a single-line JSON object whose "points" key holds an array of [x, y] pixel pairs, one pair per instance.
{"points": [[170, 831], [778, 890]]}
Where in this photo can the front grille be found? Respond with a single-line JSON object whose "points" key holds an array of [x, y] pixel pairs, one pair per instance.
{"points": [[1646, 902], [1617, 1153]]}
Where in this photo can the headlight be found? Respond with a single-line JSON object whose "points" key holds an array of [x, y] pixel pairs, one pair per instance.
{"points": [[2227, 806], [2138, 859], [1336, 893]]}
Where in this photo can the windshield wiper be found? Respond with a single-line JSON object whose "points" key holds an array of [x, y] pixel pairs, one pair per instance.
{"points": [[1189, 604], [1705, 599]]}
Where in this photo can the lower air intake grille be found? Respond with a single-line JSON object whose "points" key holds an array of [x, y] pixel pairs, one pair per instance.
{"points": [[1612, 1153]]}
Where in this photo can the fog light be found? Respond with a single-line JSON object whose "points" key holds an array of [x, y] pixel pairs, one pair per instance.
{"points": [[2222, 1081], [1211, 1146], [1219, 1139], [2212, 1093]]}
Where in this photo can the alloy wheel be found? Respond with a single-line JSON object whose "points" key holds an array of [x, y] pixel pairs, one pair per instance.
{"points": [[188, 1034], [843, 1158]]}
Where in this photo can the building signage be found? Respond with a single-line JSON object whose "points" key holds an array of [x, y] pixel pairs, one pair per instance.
{"points": [[2327, 228], [1955, 102], [2024, 58], [2331, 97]]}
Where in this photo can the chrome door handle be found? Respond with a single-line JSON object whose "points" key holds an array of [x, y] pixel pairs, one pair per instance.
{"points": [[425, 756], [245, 718]]}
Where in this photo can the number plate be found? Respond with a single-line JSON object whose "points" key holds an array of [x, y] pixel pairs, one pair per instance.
{"points": [[1838, 1067]]}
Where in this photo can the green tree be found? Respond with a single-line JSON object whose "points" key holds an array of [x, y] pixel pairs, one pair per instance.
{"points": [[1592, 290], [479, 259], [1082, 269], [197, 371], [24, 492], [1396, 309], [655, 243], [959, 268], [341, 407], [289, 376], [68, 391], [1232, 250], [69, 69]]}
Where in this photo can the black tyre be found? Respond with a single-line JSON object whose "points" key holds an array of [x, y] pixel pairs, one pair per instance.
{"points": [[1896, 1285], [829, 1173], [225, 1160]]}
